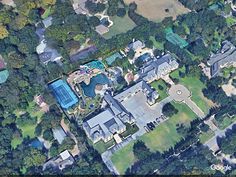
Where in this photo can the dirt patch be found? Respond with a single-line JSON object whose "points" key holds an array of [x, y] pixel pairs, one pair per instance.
{"points": [[229, 89], [157, 10]]}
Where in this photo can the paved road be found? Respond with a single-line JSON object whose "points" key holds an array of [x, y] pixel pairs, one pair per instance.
{"points": [[212, 143]]}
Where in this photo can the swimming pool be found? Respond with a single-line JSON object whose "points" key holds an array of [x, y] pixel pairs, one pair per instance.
{"points": [[36, 144], [89, 90]]}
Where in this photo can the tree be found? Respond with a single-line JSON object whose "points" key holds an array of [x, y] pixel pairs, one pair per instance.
{"points": [[3, 32], [54, 149], [67, 144], [140, 150], [157, 52], [48, 135], [169, 110], [112, 7], [38, 130], [131, 54], [34, 158], [149, 44], [94, 21], [204, 127], [121, 12], [26, 119], [94, 7]]}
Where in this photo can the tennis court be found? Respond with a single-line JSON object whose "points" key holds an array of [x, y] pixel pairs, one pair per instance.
{"points": [[113, 57], [95, 65], [175, 38], [63, 93]]}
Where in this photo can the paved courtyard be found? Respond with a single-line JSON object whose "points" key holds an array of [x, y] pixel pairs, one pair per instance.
{"points": [[144, 113]]}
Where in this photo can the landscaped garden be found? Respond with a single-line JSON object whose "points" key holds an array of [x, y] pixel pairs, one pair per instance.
{"points": [[160, 139], [195, 86], [161, 87]]}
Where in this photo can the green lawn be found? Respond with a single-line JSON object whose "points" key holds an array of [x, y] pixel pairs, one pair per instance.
{"points": [[101, 146], [158, 45], [227, 71], [162, 138], [34, 111], [123, 158], [121, 25], [47, 12], [195, 86], [16, 141], [226, 122], [230, 21], [204, 136], [162, 93]]}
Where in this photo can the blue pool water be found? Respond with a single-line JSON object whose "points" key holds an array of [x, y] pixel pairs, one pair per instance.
{"points": [[36, 144], [89, 90]]}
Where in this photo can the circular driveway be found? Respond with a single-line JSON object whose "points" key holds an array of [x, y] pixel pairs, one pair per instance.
{"points": [[179, 93]]}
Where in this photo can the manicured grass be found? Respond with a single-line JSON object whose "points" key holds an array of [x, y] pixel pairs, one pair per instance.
{"points": [[204, 136], [226, 122], [158, 45], [34, 111], [28, 130], [16, 141], [47, 12], [101, 146], [195, 86], [230, 21], [162, 138], [123, 158], [162, 93], [121, 25], [165, 134]]}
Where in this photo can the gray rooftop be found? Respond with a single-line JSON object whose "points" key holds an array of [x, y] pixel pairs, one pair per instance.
{"points": [[227, 55], [59, 134], [136, 44], [156, 66]]}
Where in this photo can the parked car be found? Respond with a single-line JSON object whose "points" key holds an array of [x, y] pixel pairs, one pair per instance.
{"points": [[150, 126], [158, 120], [147, 130]]}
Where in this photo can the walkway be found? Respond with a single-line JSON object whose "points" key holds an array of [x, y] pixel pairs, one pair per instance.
{"points": [[180, 93]]}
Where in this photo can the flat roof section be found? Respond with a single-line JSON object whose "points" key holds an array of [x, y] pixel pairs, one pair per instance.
{"points": [[63, 93]]}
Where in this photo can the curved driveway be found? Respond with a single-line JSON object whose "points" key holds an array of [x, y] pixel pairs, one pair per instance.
{"points": [[180, 93]]}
